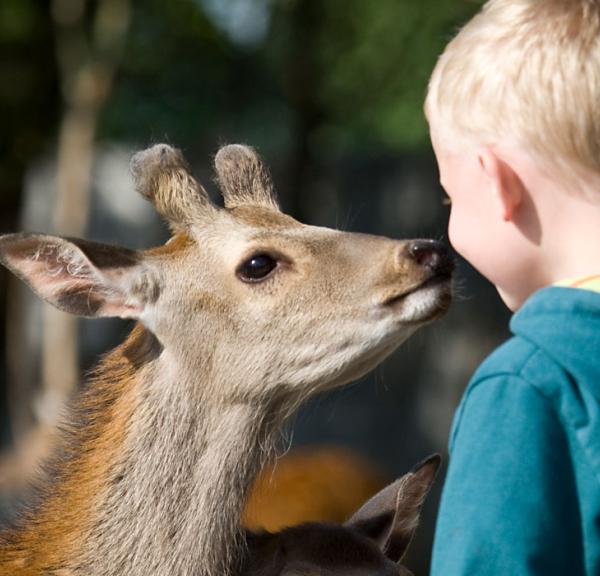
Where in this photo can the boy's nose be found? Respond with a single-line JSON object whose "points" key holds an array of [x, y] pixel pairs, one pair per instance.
{"points": [[433, 255]]}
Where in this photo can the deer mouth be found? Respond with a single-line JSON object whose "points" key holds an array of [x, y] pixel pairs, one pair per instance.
{"points": [[441, 287]]}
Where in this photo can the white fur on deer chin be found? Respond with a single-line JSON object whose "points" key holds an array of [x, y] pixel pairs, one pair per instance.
{"points": [[427, 303]]}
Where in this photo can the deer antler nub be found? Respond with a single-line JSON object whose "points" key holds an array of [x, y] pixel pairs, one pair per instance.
{"points": [[244, 178], [161, 175]]}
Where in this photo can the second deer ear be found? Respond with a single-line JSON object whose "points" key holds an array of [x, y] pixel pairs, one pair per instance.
{"points": [[80, 277], [391, 517]]}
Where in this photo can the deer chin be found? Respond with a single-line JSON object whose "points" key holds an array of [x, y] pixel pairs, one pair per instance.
{"points": [[368, 359], [406, 313], [424, 303]]}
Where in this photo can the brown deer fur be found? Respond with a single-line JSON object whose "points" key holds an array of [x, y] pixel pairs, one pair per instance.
{"points": [[151, 473]]}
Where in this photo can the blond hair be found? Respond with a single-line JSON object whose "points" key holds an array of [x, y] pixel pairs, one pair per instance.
{"points": [[526, 72]]}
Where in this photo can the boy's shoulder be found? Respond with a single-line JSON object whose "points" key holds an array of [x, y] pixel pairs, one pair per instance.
{"points": [[517, 380], [525, 449], [547, 372], [510, 359], [556, 339]]}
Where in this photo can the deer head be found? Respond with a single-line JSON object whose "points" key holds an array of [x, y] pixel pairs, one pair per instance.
{"points": [[372, 542], [277, 307], [244, 313]]}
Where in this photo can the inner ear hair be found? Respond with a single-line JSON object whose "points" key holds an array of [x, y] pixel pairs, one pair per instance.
{"points": [[77, 276], [391, 517]]}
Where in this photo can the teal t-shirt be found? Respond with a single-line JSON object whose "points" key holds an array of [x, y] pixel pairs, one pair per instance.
{"points": [[522, 493]]}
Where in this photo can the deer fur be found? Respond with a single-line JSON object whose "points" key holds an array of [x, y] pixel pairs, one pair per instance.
{"points": [[372, 542], [153, 467]]}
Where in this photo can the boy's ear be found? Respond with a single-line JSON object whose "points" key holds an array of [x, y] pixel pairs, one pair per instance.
{"points": [[506, 185], [81, 277], [391, 517]]}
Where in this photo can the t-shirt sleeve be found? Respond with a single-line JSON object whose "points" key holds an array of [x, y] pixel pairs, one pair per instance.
{"points": [[509, 504]]}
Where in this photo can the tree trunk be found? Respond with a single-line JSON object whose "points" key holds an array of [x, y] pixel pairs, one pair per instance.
{"points": [[88, 53]]}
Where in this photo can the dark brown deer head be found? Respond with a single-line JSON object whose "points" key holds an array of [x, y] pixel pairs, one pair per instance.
{"points": [[372, 542]]}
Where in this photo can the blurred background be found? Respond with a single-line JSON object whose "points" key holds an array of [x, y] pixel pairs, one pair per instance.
{"points": [[331, 94]]}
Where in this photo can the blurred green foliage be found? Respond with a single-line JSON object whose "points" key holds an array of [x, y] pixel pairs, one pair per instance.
{"points": [[355, 71], [376, 58], [326, 77]]}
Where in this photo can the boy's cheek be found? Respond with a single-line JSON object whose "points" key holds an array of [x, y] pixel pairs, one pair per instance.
{"points": [[466, 241], [456, 235]]}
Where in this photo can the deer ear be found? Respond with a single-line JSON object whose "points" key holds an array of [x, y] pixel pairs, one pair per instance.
{"points": [[391, 517], [80, 277]]}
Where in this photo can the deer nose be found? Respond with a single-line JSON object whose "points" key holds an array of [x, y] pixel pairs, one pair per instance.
{"points": [[433, 255]]}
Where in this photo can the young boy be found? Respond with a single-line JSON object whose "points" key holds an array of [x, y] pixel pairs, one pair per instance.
{"points": [[514, 112]]}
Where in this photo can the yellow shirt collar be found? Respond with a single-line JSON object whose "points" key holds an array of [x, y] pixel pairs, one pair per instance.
{"points": [[587, 283]]}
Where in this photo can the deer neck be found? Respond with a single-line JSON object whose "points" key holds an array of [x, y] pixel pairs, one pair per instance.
{"points": [[158, 486], [177, 494]]}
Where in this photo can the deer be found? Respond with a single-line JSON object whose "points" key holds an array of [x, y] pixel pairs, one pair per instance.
{"points": [[240, 317], [373, 542]]}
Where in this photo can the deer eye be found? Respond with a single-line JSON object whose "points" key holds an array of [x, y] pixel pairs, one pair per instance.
{"points": [[256, 268]]}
